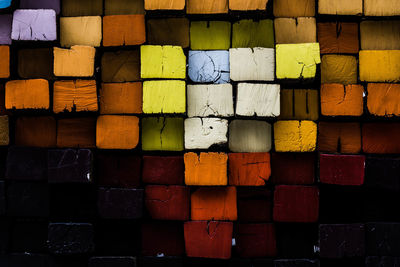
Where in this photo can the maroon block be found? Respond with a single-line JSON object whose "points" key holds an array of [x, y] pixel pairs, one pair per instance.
{"points": [[211, 239], [296, 203], [118, 170], [255, 240], [163, 170], [254, 204], [293, 168], [163, 238], [168, 202], [341, 169]]}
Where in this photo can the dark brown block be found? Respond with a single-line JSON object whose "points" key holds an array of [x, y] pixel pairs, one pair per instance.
{"points": [[338, 38], [76, 132], [35, 63], [74, 8], [120, 66], [293, 168], [339, 137], [162, 238], [35, 132], [170, 31]]}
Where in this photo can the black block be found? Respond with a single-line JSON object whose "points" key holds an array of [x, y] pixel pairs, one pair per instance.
{"points": [[5, 236], [379, 205], [70, 166], [2, 198], [160, 262], [296, 240], [120, 203], [383, 173], [112, 262], [240, 262], [296, 263], [348, 262], [382, 261], [26, 164], [29, 236], [3, 160], [68, 261], [26, 199], [70, 238], [198, 262], [24, 260], [383, 239]]}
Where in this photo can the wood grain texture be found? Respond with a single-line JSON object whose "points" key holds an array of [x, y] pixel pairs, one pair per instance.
{"points": [[250, 33], [120, 66], [299, 104], [380, 35], [115, 32], [80, 31], [381, 8], [248, 5], [381, 138], [162, 134], [206, 6], [34, 63], [202, 133], [76, 132], [206, 169], [75, 62], [4, 61], [117, 132], [338, 38], [4, 131], [295, 136], [27, 94], [340, 7], [339, 137], [339, 69], [164, 96], [121, 98], [295, 30], [383, 99], [342, 100], [168, 31], [249, 136], [123, 7], [36, 131], [210, 35], [74, 8], [249, 169], [297, 8], [209, 66], [164, 5], [379, 65]]}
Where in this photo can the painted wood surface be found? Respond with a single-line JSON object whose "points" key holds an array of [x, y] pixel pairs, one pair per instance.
{"points": [[202, 133], [262, 100]]}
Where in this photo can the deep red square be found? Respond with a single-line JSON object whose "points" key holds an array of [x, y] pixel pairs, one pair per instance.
{"points": [[293, 168], [254, 204], [341, 169], [255, 240], [163, 170]]}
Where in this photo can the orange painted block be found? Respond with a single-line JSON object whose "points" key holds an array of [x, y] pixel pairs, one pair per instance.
{"points": [[27, 94], [206, 169], [121, 30], [342, 100], [4, 61], [164, 4], [206, 6], [79, 95], [76, 133], [249, 169], [121, 98], [383, 99], [214, 203], [339, 137], [117, 132], [36, 131], [245, 5], [381, 138]]}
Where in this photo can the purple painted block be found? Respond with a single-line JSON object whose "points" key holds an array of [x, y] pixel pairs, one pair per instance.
{"points": [[40, 4], [5, 29], [34, 25]]}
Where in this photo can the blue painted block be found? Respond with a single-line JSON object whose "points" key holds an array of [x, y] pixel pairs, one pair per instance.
{"points": [[209, 66], [5, 3], [5, 29]]}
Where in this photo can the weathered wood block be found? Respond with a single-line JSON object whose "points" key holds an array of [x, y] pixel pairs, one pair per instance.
{"points": [[119, 170], [123, 7], [383, 98], [76, 132], [202, 133], [163, 170], [382, 239], [380, 138], [297, 61], [249, 169], [249, 136], [26, 164], [210, 100], [295, 30], [168, 202], [261, 100], [206, 7], [341, 169], [296, 240], [116, 32], [379, 65], [164, 5], [301, 171], [28, 236], [338, 38], [296, 203], [74, 8], [121, 98], [380, 35], [339, 137], [120, 66], [80, 31], [164, 96], [162, 133], [77, 95], [255, 240], [248, 5], [162, 238], [298, 8], [254, 204], [214, 203], [297, 263], [382, 173], [4, 131], [117, 132], [76, 62], [40, 4], [35, 63], [385, 261], [209, 66], [206, 169], [70, 166], [340, 7], [27, 94], [70, 238], [36, 131], [299, 104], [3, 110], [168, 31], [381, 8], [252, 64], [112, 261], [120, 203], [208, 239], [27, 199], [210, 35], [4, 61], [342, 100], [5, 29], [34, 25], [339, 69], [295, 136], [250, 33]]}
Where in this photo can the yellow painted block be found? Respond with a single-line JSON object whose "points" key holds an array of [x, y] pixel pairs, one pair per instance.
{"points": [[80, 31], [295, 136], [295, 61], [380, 65], [162, 62], [166, 96], [210, 35]]}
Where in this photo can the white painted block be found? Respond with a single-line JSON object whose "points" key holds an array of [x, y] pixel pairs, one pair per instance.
{"points": [[258, 99], [201, 133], [210, 100], [249, 136], [257, 64]]}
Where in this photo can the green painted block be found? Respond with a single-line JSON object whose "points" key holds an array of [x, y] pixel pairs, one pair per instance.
{"points": [[210, 35], [165, 96], [297, 61], [249, 33], [168, 62], [160, 133]]}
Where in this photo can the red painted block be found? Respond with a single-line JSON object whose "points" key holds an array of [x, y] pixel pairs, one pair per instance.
{"points": [[162, 238], [163, 170], [249, 169], [293, 168], [296, 203], [381, 138], [208, 239], [168, 202], [254, 204], [255, 240], [341, 169]]}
